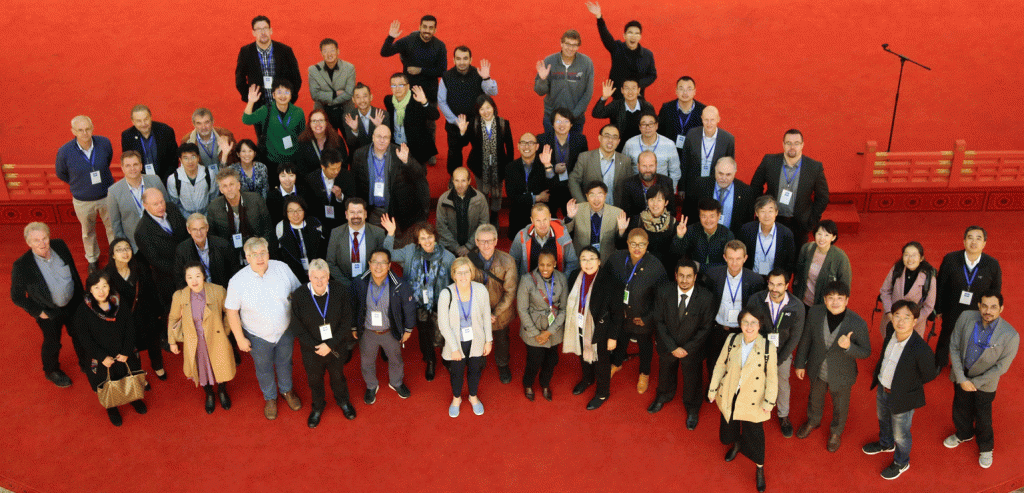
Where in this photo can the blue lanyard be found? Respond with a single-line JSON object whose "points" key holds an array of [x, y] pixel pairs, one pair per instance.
{"points": [[378, 171], [91, 157], [241, 170], [489, 131], [988, 339], [970, 278], [380, 294], [657, 140], [297, 233], [789, 179], [760, 244], [728, 285], [606, 170], [710, 152], [327, 302], [559, 154], [583, 294], [284, 123], [526, 171], [208, 150], [142, 190], [465, 314], [775, 312], [147, 146], [682, 124], [206, 264], [634, 269]]}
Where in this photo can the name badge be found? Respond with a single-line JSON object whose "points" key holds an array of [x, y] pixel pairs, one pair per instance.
{"points": [[597, 246], [785, 197], [965, 297], [680, 140], [95, 177], [705, 169], [774, 339], [625, 296], [329, 211], [581, 320], [378, 189], [426, 297], [268, 82], [237, 239], [357, 269], [564, 176], [376, 319], [150, 169], [733, 316], [305, 263], [287, 141], [325, 332], [551, 318], [467, 333]]}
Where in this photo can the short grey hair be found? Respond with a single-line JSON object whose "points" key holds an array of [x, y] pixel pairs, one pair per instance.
{"points": [[319, 265], [81, 117], [254, 243], [199, 112], [36, 226], [226, 173], [196, 216], [485, 228]]}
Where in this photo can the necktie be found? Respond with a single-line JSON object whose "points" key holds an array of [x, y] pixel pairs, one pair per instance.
{"points": [[595, 228], [682, 305], [355, 247]]}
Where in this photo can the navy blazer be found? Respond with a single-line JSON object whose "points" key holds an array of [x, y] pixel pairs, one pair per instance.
{"points": [[742, 199], [690, 158], [163, 140], [248, 70], [785, 247], [28, 287], [575, 143], [714, 279], [672, 123], [915, 368], [402, 306]]}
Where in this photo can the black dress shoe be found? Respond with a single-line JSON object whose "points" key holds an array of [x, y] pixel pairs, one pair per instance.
{"points": [[59, 378], [595, 403], [348, 410], [731, 454], [759, 478], [655, 406], [504, 374], [528, 392], [222, 394], [581, 387], [402, 390], [546, 392], [115, 416], [211, 403], [139, 406], [691, 421], [431, 366], [371, 396], [314, 418], [786, 426]]}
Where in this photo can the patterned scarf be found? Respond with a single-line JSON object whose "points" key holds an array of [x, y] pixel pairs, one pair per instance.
{"points": [[425, 273], [655, 224]]}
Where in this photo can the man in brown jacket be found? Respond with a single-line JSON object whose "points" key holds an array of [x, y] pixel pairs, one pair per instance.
{"points": [[460, 211], [496, 270]]}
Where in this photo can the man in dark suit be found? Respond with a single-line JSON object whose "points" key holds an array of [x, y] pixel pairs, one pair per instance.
{"points": [[253, 219], [786, 314], [683, 315], [215, 253], [677, 117], [798, 184], [351, 243], [375, 171], [703, 148], [154, 141], [834, 339], [329, 187], [321, 321], [731, 286], [771, 242], [411, 113], [362, 118], [158, 235], [736, 197], [45, 283], [634, 188], [604, 164], [905, 364], [262, 61], [526, 183], [963, 276]]}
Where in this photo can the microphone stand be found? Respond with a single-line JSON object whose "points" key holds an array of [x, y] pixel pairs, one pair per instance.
{"points": [[903, 61]]}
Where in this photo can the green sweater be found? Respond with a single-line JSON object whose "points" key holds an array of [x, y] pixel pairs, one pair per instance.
{"points": [[292, 125]]}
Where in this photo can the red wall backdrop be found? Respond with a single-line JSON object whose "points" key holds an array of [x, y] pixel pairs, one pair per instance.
{"points": [[768, 65]]}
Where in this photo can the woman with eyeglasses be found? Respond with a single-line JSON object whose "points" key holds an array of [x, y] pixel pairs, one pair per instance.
{"points": [[138, 297], [300, 238], [911, 278], [318, 136]]}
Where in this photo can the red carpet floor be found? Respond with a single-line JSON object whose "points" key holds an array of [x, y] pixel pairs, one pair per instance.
{"points": [[54, 440]]}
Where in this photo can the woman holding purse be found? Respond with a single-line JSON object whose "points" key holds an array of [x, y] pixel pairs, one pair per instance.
{"points": [[464, 320], [197, 320], [106, 331]]}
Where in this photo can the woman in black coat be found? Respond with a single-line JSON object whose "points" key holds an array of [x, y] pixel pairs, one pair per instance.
{"points": [[490, 138], [134, 283], [300, 238], [657, 220], [106, 331]]}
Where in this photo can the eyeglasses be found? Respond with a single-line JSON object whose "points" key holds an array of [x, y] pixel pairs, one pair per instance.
{"points": [[486, 242], [318, 120], [637, 245], [396, 86], [792, 144], [258, 254], [562, 122], [379, 262], [647, 125], [609, 136], [527, 142], [122, 250], [283, 92], [570, 45], [262, 29]]}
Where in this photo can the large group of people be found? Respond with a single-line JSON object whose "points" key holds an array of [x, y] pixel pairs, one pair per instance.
{"points": [[318, 231]]}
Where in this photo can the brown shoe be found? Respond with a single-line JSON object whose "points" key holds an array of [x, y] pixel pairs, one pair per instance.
{"points": [[642, 382], [833, 443], [615, 369], [805, 430], [270, 409], [293, 400]]}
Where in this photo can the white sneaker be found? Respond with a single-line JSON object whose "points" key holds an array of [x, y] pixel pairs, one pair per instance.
{"points": [[952, 441], [985, 460]]}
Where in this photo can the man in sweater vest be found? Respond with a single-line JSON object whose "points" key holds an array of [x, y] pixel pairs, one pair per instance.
{"points": [[457, 92]]}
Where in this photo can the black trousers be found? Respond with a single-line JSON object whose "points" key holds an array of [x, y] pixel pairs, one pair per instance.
{"points": [[427, 328], [945, 332], [599, 371], [972, 416], [334, 367], [147, 338], [800, 234], [668, 368], [51, 328], [542, 360], [500, 347], [717, 337], [645, 342], [97, 373], [749, 435], [816, 404], [455, 145], [472, 367], [336, 115]]}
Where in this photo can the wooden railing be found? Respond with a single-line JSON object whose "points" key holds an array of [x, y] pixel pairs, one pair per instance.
{"points": [[37, 182], [958, 168]]}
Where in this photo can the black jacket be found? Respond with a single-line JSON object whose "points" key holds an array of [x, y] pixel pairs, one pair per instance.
{"points": [[648, 275], [288, 250], [575, 144], [28, 287], [714, 279], [317, 199], [361, 175], [605, 305], [520, 192], [742, 198], [785, 248], [842, 363], [248, 70], [689, 332], [790, 324], [635, 64], [158, 247], [223, 260], [306, 319], [690, 158], [402, 306], [811, 196], [164, 142], [417, 135], [627, 122], [634, 197], [915, 368], [952, 281], [673, 123], [503, 146]]}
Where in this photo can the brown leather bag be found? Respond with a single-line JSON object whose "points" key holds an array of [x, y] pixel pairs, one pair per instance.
{"points": [[131, 387]]}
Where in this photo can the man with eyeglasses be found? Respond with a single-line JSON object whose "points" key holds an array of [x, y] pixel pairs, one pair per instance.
{"points": [[650, 140], [566, 80], [701, 150], [496, 270], [526, 183], [411, 112], [154, 141], [598, 220], [798, 184], [561, 149], [624, 113], [603, 164], [629, 59], [264, 60], [278, 126], [191, 187]]}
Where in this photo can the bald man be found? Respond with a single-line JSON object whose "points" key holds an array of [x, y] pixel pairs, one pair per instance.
{"points": [[702, 149], [84, 164], [736, 197], [526, 183], [459, 212], [375, 170], [157, 235]]}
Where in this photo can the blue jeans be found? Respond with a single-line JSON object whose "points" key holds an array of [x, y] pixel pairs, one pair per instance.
{"points": [[894, 428], [270, 358]]}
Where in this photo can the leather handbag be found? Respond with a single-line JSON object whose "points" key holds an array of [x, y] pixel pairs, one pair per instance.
{"points": [[131, 387]]}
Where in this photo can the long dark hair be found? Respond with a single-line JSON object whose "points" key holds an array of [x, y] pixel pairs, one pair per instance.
{"points": [[132, 263], [898, 268]]}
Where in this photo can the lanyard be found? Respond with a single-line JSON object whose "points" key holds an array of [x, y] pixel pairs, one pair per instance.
{"points": [[527, 170], [142, 190], [789, 179], [378, 171], [284, 123], [297, 233], [560, 154], [610, 164], [970, 277], [634, 269], [323, 312], [380, 294], [241, 169], [776, 313], [739, 287], [208, 150], [91, 157], [147, 147], [206, 263], [682, 124], [548, 293], [316, 148], [465, 314], [760, 244], [722, 197], [657, 140], [988, 339], [583, 294], [488, 130], [708, 153]]}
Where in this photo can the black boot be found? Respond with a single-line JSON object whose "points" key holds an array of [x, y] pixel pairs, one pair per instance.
{"points": [[494, 219], [115, 416], [208, 389], [759, 479], [431, 365], [222, 394]]}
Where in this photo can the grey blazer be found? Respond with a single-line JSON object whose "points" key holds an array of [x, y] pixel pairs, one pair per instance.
{"points": [[124, 213], [581, 232], [994, 361], [588, 168], [339, 258], [533, 308], [842, 364], [448, 320], [322, 87]]}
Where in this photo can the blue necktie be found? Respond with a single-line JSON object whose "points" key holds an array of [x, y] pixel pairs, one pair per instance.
{"points": [[595, 228]]}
